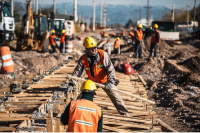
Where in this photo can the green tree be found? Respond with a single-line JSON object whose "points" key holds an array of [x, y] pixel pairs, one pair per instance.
{"points": [[129, 24], [17, 16]]}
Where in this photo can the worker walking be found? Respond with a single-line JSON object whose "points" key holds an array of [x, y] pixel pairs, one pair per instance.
{"points": [[62, 40], [83, 115], [155, 41], [100, 69], [53, 41], [138, 41], [116, 45]]}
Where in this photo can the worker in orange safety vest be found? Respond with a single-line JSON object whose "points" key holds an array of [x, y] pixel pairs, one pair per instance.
{"points": [[116, 45], [123, 34], [53, 41], [155, 41], [83, 115], [138, 41], [99, 68], [63, 37]]}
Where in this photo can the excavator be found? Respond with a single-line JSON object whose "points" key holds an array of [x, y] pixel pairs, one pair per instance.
{"points": [[34, 34]]}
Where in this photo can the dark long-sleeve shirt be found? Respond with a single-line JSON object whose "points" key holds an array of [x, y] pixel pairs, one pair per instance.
{"points": [[157, 37], [65, 116]]}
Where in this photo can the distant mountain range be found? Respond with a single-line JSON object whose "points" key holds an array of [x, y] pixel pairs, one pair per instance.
{"points": [[116, 13]]}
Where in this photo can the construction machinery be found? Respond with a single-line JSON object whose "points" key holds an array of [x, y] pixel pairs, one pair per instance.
{"points": [[7, 22], [34, 34]]}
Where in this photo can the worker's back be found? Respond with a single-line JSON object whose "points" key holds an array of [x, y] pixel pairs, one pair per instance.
{"points": [[83, 116]]}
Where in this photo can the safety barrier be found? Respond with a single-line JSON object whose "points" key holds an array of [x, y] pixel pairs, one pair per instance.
{"points": [[68, 47]]}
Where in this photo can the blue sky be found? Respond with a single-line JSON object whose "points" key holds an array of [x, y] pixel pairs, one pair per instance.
{"points": [[167, 3]]}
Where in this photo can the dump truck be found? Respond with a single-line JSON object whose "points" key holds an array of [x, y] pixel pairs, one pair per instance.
{"points": [[167, 32], [7, 22]]}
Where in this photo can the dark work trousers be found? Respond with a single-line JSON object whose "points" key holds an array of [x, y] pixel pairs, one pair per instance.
{"points": [[61, 47], [138, 49], [116, 50], [53, 48], [153, 46]]}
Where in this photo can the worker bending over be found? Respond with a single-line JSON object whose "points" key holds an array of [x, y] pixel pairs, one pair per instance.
{"points": [[53, 41], [155, 41], [116, 45], [83, 115], [100, 69], [138, 41], [102, 34], [62, 40]]}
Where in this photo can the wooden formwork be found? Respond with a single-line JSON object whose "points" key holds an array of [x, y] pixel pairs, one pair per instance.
{"points": [[18, 110]]}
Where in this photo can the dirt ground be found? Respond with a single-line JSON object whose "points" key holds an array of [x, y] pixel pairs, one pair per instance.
{"points": [[176, 72]]}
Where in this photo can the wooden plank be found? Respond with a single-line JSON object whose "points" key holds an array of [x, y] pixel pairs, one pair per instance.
{"points": [[141, 78], [16, 119], [165, 126], [13, 115], [34, 98], [114, 129], [23, 102], [7, 129]]}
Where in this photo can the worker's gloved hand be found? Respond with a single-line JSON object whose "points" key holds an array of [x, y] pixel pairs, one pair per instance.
{"points": [[108, 85], [69, 89], [157, 43]]}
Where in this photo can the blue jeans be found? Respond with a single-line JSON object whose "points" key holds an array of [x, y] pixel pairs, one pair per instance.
{"points": [[153, 46], [138, 49], [53, 48]]}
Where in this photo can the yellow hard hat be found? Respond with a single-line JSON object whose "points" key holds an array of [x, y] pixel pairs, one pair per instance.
{"points": [[88, 85], [155, 26], [140, 26], [89, 42], [53, 31], [117, 38], [105, 35], [63, 31]]}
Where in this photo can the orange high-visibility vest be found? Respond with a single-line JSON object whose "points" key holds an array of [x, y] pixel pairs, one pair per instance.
{"points": [[132, 34], [7, 63], [52, 37], [116, 44], [123, 33], [83, 116], [154, 38], [140, 35], [62, 38], [99, 71]]}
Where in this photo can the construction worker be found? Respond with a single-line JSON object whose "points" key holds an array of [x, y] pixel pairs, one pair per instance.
{"points": [[138, 41], [123, 34], [100, 69], [83, 115], [53, 41], [102, 33], [62, 40], [116, 45], [155, 41]]}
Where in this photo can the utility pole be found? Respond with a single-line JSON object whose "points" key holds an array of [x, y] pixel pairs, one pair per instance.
{"points": [[54, 6], [12, 7], [104, 16], [148, 12], [165, 10], [140, 14], [40, 7], [173, 7], [75, 11], [36, 7], [194, 14], [187, 16], [93, 15], [136, 16], [101, 13]]}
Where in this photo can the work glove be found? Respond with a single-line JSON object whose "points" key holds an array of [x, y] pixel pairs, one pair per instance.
{"points": [[69, 89], [108, 85], [157, 43]]}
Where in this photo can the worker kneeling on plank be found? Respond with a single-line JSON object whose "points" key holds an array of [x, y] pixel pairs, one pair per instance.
{"points": [[62, 40], [116, 45], [83, 115], [138, 41], [100, 69], [53, 41], [155, 41]]}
